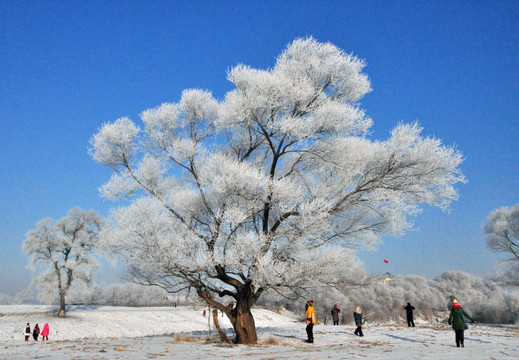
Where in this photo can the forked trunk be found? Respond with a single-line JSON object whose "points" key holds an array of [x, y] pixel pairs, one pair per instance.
{"points": [[238, 311]]}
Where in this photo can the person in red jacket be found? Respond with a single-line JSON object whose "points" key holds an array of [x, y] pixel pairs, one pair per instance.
{"points": [[45, 332]]}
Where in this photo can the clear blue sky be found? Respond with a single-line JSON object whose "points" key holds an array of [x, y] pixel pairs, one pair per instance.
{"points": [[66, 67]]}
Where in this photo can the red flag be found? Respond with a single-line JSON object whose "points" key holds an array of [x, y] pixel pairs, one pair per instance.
{"points": [[387, 262]]}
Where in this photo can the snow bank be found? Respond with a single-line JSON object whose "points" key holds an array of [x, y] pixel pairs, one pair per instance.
{"points": [[85, 322]]}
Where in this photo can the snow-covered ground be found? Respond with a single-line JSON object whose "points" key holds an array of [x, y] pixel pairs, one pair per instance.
{"points": [[182, 333]]}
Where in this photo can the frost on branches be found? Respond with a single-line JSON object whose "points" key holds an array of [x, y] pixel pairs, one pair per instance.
{"points": [[502, 236], [65, 246], [273, 187]]}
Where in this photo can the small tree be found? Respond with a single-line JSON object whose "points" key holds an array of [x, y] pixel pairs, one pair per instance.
{"points": [[502, 236], [271, 188], [65, 246]]}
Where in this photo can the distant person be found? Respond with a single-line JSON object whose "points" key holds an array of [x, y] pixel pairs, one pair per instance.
{"points": [[357, 315], [27, 332], [458, 322], [36, 332], [335, 314], [45, 332], [310, 320], [409, 313]]}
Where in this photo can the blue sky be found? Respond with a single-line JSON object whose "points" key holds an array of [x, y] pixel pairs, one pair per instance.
{"points": [[67, 67]]}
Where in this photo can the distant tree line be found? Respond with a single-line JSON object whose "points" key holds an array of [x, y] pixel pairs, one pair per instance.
{"points": [[124, 294], [487, 299], [127, 294]]}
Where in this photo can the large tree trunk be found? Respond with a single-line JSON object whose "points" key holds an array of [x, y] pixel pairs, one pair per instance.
{"points": [[61, 305], [242, 319], [238, 311], [244, 326]]}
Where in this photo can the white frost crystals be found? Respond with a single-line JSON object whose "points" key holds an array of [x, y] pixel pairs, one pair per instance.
{"points": [[270, 188], [65, 247], [114, 143], [501, 231]]}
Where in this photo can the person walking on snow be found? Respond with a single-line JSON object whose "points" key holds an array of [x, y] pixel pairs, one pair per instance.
{"points": [[458, 322], [310, 320], [357, 315], [45, 332], [409, 313], [27, 332], [36, 332], [335, 314]]}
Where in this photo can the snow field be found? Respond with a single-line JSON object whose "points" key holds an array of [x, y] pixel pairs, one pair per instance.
{"points": [[181, 333]]}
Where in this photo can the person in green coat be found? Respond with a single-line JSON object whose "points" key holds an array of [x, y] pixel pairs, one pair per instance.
{"points": [[357, 315], [458, 321]]}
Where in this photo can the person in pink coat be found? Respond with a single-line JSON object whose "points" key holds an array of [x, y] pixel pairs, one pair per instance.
{"points": [[45, 332]]}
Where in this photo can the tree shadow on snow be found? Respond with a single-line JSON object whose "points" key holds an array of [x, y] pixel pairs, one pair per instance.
{"points": [[287, 336], [477, 340], [404, 338]]}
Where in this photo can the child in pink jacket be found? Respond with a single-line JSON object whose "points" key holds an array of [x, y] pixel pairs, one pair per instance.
{"points": [[45, 332]]}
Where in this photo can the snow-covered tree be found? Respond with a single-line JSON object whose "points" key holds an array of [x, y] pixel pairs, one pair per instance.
{"points": [[126, 294], [502, 236], [483, 298], [273, 187], [5, 299], [65, 247]]}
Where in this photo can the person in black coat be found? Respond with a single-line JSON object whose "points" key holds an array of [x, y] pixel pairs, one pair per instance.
{"points": [[409, 312], [36, 332]]}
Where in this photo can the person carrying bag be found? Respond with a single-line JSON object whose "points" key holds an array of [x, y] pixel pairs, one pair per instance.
{"points": [[458, 322]]}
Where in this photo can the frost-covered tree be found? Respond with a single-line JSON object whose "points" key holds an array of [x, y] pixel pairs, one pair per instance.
{"points": [[26, 296], [272, 187], [5, 299], [127, 294], [483, 298], [502, 236], [65, 247]]}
